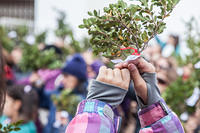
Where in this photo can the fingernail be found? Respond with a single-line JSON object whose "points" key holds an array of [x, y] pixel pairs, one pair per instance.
{"points": [[117, 65], [131, 67], [125, 64]]}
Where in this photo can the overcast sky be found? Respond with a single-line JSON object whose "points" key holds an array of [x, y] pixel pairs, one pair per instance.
{"points": [[77, 10]]}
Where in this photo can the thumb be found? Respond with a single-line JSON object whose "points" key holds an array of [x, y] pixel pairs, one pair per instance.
{"points": [[139, 83], [136, 77]]}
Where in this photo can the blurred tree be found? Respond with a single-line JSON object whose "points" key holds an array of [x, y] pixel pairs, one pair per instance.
{"points": [[6, 42], [64, 32], [180, 90], [41, 37], [34, 59], [22, 32], [66, 101]]}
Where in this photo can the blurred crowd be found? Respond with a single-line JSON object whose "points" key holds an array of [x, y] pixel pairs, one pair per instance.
{"points": [[46, 99]]}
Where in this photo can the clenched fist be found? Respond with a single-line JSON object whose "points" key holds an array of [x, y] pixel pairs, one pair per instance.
{"points": [[116, 77]]}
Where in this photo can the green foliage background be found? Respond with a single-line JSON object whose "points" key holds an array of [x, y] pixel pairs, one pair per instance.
{"points": [[180, 90], [66, 101]]}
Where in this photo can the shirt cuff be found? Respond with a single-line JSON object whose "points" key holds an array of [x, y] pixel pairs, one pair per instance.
{"points": [[107, 93]]}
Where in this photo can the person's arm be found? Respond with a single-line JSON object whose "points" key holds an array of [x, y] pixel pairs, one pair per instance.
{"points": [[95, 114], [161, 43], [154, 114]]}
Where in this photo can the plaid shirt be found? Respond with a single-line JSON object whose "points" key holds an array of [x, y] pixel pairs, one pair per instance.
{"points": [[94, 116], [158, 118]]}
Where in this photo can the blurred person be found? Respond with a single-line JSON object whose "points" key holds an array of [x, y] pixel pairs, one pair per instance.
{"points": [[191, 124], [59, 43], [166, 72], [128, 111], [95, 114], [9, 74], [187, 71], [88, 57], [42, 80], [170, 47], [197, 114], [152, 52], [93, 64], [21, 104], [44, 77], [93, 69], [74, 80], [8, 58], [2, 80], [17, 54]]}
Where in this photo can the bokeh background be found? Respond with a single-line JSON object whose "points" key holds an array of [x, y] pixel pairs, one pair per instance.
{"points": [[49, 63]]}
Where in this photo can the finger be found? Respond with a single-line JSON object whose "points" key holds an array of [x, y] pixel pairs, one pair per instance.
{"points": [[135, 62], [110, 74], [125, 75], [117, 75], [143, 65], [119, 66], [125, 78], [122, 65], [139, 83], [102, 73]]}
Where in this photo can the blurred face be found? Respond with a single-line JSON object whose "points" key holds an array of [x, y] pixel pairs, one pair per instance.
{"points": [[69, 81], [91, 73], [171, 40], [88, 57], [187, 70], [63, 119], [152, 52], [11, 106], [162, 67], [16, 55]]}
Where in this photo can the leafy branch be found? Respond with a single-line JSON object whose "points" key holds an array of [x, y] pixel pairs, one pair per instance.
{"points": [[10, 127], [122, 25]]}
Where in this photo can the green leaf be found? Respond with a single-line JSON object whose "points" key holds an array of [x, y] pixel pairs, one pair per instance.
{"points": [[133, 9], [95, 13], [16, 129], [161, 28], [106, 9], [90, 13], [145, 36], [175, 1], [81, 26]]}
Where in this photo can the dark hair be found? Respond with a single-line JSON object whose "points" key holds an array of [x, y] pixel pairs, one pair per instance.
{"points": [[28, 98], [2, 81], [176, 40]]}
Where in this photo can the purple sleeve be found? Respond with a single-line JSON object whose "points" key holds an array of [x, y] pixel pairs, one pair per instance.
{"points": [[158, 118], [94, 116]]}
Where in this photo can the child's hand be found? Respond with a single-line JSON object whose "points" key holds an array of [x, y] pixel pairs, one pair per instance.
{"points": [[110, 86], [142, 65], [116, 77], [136, 68]]}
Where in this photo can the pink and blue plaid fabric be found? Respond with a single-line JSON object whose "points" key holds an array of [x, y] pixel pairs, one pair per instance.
{"points": [[158, 118], [94, 116]]}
